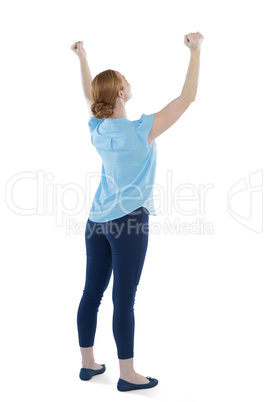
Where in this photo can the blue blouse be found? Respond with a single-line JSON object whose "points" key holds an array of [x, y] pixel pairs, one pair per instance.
{"points": [[128, 166]]}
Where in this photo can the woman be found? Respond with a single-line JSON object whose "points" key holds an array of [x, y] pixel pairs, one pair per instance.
{"points": [[116, 233]]}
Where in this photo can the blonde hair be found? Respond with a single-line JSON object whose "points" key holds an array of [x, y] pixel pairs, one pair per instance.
{"points": [[104, 90]]}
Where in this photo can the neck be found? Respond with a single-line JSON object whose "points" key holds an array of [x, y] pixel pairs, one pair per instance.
{"points": [[117, 115], [119, 111]]}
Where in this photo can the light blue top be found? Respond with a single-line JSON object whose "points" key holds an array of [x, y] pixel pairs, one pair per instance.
{"points": [[128, 166]]}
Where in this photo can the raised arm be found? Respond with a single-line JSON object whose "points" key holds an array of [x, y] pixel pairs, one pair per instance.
{"points": [[166, 117], [78, 49]]}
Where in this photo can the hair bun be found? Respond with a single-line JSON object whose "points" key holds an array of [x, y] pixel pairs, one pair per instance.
{"points": [[101, 109]]}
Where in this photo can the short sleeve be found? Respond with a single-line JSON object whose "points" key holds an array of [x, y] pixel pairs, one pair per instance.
{"points": [[93, 122], [143, 128]]}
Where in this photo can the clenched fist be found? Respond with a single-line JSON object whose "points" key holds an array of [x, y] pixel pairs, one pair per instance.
{"points": [[193, 40], [78, 49]]}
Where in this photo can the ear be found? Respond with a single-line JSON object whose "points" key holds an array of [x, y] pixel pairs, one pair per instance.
{"points": [[120, 93]]}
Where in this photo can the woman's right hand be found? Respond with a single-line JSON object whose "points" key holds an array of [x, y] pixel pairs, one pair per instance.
{"points": [[193, 40], [78, 49]]}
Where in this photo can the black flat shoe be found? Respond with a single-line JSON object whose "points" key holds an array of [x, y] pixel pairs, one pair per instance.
{"points": [[87, 374], [123, 385]]}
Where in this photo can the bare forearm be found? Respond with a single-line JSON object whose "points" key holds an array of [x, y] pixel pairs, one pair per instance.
{"points": [[189, 89], [86, 77]]}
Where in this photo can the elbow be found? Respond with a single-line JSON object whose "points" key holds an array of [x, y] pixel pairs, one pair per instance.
{"points": [[188, 97], [191, 98]]}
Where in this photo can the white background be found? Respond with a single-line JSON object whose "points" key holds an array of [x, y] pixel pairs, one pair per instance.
{"points": [[201, 305]]}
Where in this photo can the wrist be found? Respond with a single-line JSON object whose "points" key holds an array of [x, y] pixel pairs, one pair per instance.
{"points": [[195, 51], [83, 57]]}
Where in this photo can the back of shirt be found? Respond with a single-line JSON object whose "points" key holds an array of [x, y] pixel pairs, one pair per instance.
{"points": [[128, 166]]}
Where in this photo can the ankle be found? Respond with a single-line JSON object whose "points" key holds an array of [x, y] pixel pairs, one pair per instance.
{"points": [[88, 363], [127, 373]]}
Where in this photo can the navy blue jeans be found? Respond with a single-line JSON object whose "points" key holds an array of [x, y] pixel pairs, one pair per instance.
{"points": [[117, 246]]}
